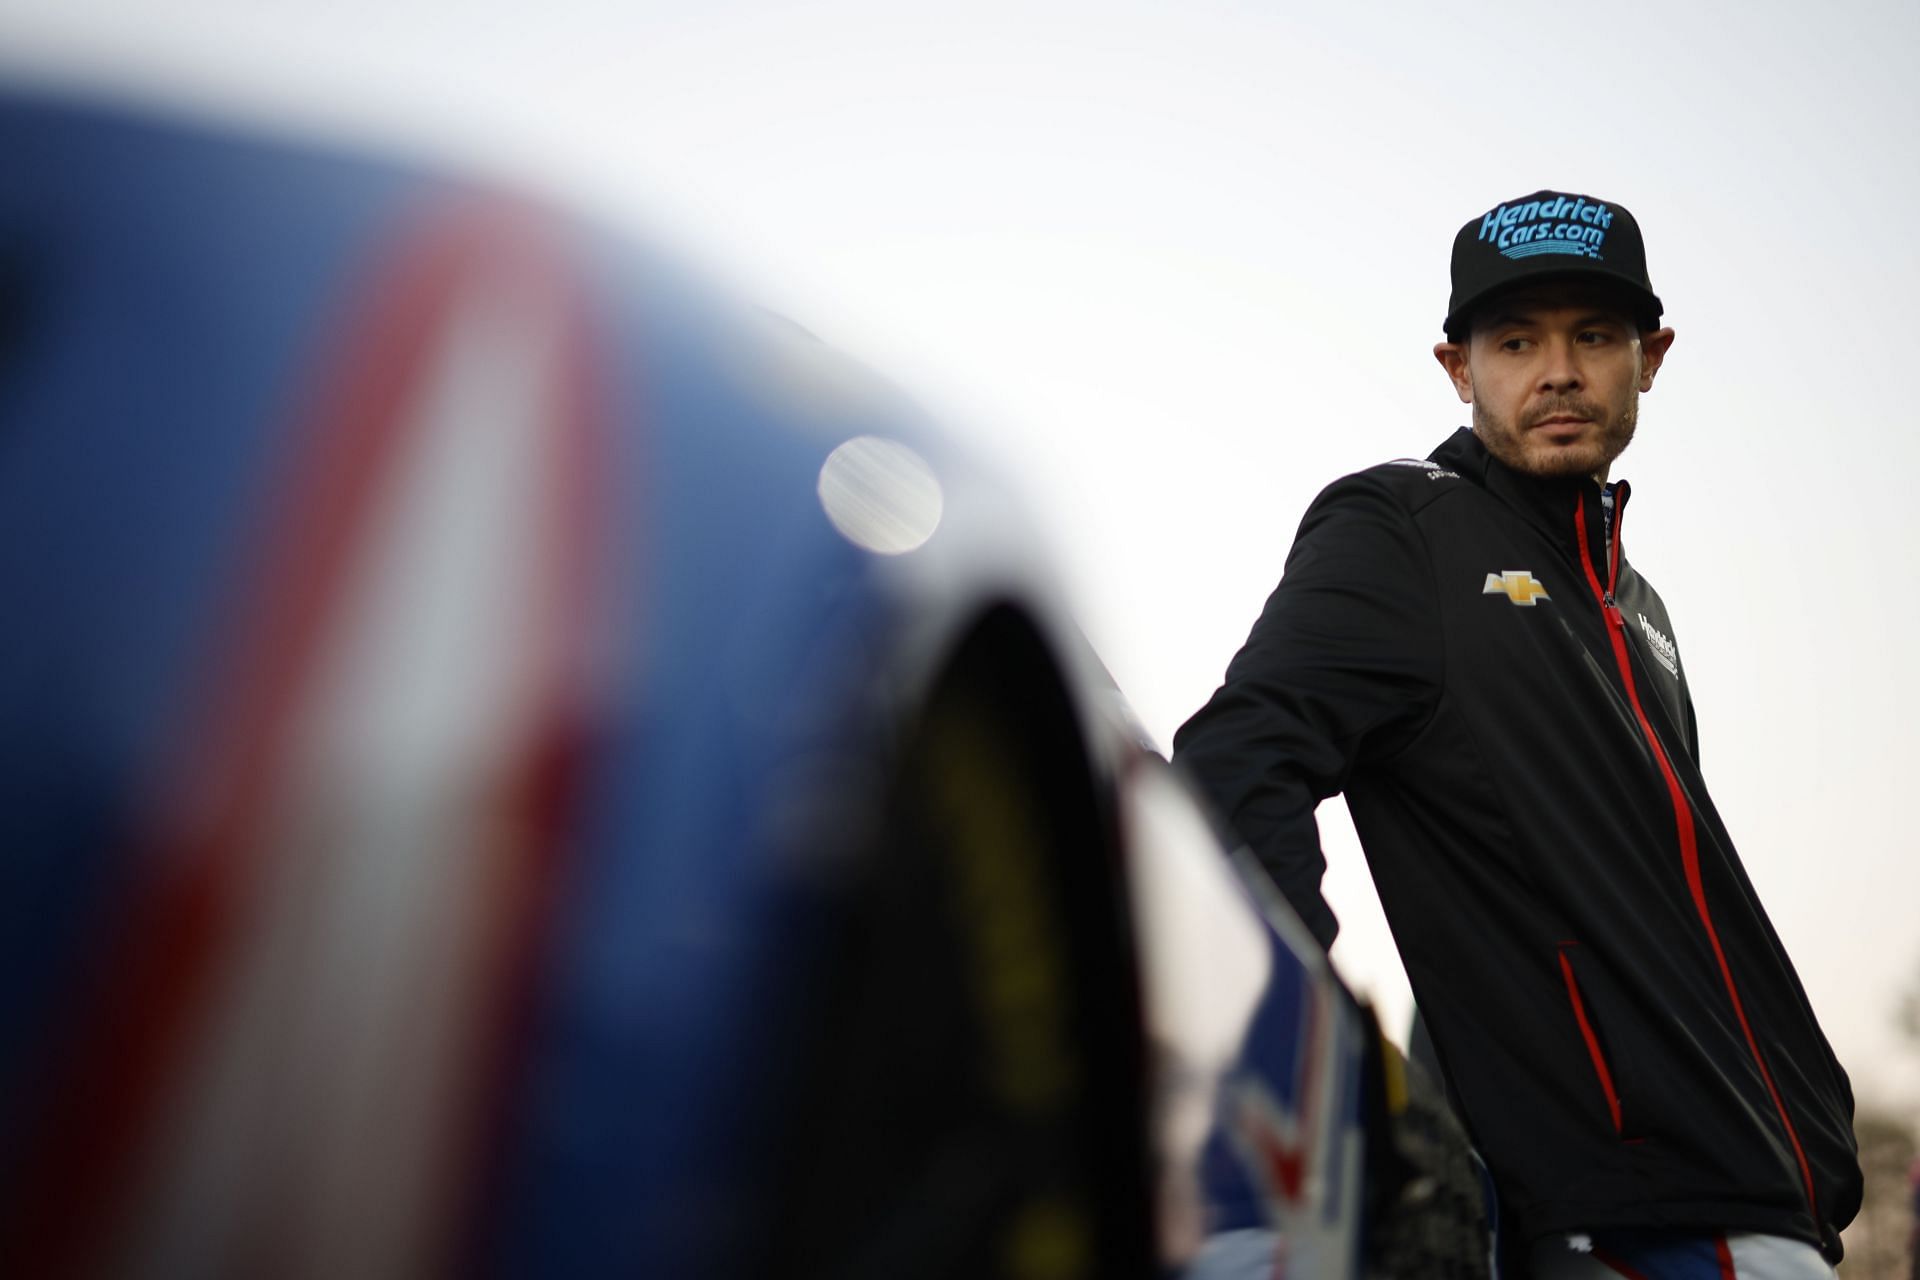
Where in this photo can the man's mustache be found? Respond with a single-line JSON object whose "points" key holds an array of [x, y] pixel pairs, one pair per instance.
{"points": [[1564, 406]]}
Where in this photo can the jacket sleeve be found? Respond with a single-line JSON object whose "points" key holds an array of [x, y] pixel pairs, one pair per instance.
{"points": [[1342, 670]]}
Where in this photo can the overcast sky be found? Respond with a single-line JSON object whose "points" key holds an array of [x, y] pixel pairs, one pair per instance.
{"points": [[1177, 266]]}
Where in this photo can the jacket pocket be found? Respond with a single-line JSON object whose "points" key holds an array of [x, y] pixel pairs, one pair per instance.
{"points": [[1596, 1054]]}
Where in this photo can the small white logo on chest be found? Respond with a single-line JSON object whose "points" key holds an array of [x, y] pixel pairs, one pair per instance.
{"points": [[1433, 469], [1663, 649]]}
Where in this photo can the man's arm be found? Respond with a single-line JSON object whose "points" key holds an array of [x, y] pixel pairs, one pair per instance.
{"points": [[1342, 669]]}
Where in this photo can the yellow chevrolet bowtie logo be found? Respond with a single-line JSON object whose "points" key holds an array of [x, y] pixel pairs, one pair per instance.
{"points": [[1516, 585]]}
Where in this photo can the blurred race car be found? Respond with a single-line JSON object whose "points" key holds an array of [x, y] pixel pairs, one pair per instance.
{"points": [[515, 763]]}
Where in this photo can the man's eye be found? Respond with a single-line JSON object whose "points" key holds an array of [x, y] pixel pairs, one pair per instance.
{"points": [[1514, 344], [1593, 337]]}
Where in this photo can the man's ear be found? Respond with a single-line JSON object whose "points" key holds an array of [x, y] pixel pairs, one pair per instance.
{"points": [[1653, 350], [1453, 358]]}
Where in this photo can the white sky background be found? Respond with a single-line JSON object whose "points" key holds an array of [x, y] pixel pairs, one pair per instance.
{"points": [[1178, 266]]}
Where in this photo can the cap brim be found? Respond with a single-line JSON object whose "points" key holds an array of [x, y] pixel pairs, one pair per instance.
{"points": [[1643, 304]]}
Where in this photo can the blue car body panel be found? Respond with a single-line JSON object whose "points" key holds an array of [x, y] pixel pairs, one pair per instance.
{"points": [[436, 692]]}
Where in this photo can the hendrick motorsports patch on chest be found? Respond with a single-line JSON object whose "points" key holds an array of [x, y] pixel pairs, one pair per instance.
{"points": [[1517, 585], [1663, 651]]}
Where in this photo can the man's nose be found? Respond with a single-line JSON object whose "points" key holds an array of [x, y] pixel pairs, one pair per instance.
{"points": [[1560, 372]]}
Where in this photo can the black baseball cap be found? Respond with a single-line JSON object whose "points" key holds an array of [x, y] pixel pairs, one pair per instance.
{"points": [[1550, 235]]}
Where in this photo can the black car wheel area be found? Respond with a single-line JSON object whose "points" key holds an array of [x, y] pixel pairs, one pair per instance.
{"points": [[972, 1102]]}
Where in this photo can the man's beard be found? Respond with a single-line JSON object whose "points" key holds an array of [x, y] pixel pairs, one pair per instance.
{"points": [[1520, 449]]}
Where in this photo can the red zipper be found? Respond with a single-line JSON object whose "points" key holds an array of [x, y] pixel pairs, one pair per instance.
{"points": [[1682, 812], [1593, 1041]]}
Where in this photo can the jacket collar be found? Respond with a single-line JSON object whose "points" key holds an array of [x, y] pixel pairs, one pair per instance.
{"points": [[1562, 508]]}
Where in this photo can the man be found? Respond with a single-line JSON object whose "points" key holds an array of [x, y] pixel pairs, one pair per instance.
{"points": [[1461, 647]]}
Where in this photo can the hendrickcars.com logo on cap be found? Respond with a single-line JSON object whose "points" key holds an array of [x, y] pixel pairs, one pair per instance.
{"points": [[1560, 225], [1550, 234]]}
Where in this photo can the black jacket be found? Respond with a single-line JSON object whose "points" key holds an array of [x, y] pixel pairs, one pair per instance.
{"points": [[1462, 650]]}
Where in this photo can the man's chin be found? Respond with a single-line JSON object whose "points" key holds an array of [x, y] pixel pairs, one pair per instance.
{"points": [[1537, 454], [1560, 461]]}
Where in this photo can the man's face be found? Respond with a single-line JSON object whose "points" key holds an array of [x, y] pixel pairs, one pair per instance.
{"points": [[1554, 376]]}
